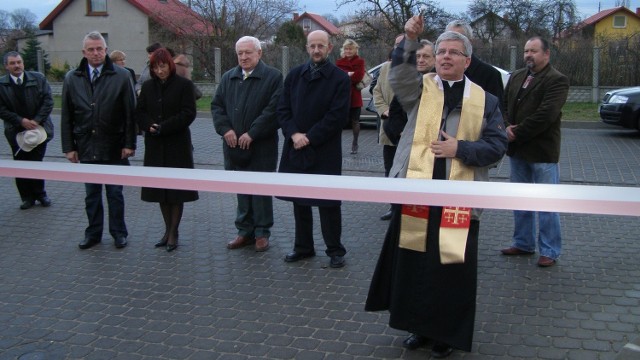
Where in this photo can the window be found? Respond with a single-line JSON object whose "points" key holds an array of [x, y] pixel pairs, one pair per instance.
{"points": [[96, 7], [306, 24], [619, 21]]}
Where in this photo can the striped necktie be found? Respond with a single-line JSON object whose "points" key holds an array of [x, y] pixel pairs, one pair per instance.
{"points": [[95, 75]]}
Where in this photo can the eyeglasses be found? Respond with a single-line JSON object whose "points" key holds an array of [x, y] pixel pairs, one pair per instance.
{"points": [[181, 64], [317, 46], [452, 52]]}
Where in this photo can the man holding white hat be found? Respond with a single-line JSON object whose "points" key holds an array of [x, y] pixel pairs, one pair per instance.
{"points": [[25, 107]]}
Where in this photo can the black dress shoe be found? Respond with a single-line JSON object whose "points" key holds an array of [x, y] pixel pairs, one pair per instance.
{"points": [[26, 204], [120, 242], [171, 247], [161, 243], [44, 201], [414, 341], [441, 350], [386, 216], [297, 256], [336, 261], [87, 243]]}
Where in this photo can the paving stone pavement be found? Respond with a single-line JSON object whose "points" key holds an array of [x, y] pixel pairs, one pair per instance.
{"points": [[206, 302]]}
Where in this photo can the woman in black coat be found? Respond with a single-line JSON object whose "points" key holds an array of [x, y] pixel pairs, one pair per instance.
{"points": [[166, 107]]}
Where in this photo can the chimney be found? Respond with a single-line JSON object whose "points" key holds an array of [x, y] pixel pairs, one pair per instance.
{"points": [[295, 16], [638, 11]]}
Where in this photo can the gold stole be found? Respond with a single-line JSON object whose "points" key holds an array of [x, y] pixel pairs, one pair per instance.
{"points": [[454, 227]]}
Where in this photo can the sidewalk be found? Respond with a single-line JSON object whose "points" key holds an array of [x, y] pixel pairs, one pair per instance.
{"points": [[206, 302]]}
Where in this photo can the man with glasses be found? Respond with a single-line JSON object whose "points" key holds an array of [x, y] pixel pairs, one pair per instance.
{"points": [[312, 112], [426, 275]]}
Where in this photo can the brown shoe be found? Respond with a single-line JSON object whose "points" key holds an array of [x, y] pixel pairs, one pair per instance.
{"points": [[238, 242], [544, 261], [515, 251], [262, 244]]}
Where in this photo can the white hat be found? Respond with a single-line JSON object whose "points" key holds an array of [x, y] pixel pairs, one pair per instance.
{"points": [[29, 139]]}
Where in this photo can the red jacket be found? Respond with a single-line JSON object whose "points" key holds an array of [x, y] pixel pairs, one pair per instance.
{"points": [[355, 64]]}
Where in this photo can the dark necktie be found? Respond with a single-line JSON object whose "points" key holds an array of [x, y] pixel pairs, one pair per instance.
{"points": [[95, 75], [19, 81]]}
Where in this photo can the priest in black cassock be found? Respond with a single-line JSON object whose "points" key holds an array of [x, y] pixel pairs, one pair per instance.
{"points": [[426, 275]]}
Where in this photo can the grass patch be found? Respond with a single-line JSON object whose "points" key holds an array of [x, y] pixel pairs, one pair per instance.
{"points": [[580, 111], [204, 103], [572, 111]]}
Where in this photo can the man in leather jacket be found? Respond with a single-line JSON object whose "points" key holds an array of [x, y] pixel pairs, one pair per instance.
{"points": [[97, 127], [25, 105]]}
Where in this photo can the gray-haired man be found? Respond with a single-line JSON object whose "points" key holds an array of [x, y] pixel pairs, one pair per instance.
{"points": [[97, 127]]}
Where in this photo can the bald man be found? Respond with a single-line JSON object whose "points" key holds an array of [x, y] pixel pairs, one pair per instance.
{"points": [[312, 112]]}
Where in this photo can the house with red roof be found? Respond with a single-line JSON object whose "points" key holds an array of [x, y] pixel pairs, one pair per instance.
{"points": [[127, 25], [312, 22], [608, 25]]}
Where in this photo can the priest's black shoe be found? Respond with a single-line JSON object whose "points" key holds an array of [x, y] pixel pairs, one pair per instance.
{"points": [[441, 350], [414, 341], [336, 261], [27, 204], [87, 243], [386, 216], [44, 201], [120, 242], [297, 256]]}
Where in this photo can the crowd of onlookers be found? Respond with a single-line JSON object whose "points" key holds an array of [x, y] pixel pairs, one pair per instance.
{"points": [[445, 115]]}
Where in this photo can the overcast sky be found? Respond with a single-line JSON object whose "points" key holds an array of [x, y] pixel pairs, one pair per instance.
{"points": [[586, 7]]}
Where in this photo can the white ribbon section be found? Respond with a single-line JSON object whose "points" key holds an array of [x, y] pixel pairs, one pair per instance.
{"points": [[489, 195]]}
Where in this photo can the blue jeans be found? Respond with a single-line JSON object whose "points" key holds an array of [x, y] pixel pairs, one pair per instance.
{"points": [[524, 233]]}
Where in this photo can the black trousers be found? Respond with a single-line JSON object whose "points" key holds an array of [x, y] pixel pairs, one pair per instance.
{"points": [[330, 225], [29, 189], [388, 153]]}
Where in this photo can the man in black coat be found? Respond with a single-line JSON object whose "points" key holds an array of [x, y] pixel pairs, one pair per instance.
{"points": [[481, 73], [311, 112], [244, 114], [25, 107], [97, 127]]}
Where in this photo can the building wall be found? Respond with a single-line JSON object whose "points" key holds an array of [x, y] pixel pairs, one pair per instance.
{"points": [[126, 27], [604, 28]]}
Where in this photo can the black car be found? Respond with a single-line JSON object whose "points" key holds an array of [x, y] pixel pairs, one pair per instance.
{"points": [[622, 107]]}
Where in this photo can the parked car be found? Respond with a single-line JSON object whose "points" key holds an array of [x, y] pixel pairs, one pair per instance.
{"points": [[371, 118], [368, 117], [621, 107]]}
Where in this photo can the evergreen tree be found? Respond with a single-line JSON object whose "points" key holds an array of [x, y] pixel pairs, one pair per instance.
{"points": [[291, 34], [30, 54]]}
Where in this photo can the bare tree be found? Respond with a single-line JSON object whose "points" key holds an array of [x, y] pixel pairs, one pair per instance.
{"points": [[385, 19], [210, 24], [562, 15], [232, 19], [13, 26], [528, 17], [23, 19]]}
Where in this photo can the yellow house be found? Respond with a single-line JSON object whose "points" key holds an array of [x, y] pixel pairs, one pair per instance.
{"points": [[610, 24]]}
